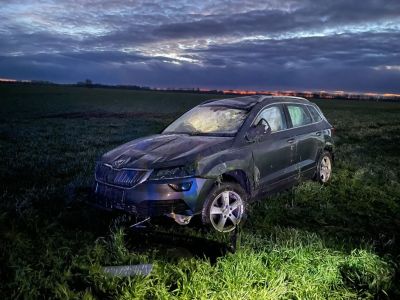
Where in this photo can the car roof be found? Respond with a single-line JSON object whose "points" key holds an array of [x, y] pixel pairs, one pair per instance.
{"points": [[248, 102]]}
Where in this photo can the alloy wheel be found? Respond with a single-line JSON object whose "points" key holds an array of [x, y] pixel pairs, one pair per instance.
{"points": [[325, 169], [226, 211]]}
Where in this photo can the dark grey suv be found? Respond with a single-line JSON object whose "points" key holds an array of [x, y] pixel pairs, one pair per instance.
{"points": [[215, 158]]}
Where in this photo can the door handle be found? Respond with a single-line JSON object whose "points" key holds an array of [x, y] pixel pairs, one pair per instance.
{"points": [[290, 141], [318, 133]]}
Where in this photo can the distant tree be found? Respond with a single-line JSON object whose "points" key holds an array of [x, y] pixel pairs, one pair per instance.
{"points": [[87, 83]]}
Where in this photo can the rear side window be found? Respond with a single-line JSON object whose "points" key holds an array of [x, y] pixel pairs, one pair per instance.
{"points": [[314, 113], [299, 115]]}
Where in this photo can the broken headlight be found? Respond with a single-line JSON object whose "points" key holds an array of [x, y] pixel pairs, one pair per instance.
{"points": [[172, 173]]}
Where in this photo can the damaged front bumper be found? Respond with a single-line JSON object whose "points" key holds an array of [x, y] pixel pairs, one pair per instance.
{"points": [[184, 196]]}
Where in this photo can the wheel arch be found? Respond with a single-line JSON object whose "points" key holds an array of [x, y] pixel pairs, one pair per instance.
{"points": [[329, 147], [238, 176]]}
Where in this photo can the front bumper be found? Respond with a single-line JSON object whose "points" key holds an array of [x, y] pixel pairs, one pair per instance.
{"points": [[154, 197]]}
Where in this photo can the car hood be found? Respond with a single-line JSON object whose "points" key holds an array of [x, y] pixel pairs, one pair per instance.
{"points": [[165, 150]]}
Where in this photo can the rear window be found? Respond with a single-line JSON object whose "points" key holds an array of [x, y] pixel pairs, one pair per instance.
{"points": [[314, 113], [299, 115]]}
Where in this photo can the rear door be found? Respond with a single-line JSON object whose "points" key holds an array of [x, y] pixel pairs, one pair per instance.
{"points": [[308, 137]]}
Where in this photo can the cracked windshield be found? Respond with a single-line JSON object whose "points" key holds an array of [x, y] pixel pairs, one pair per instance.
{"points": [[212, 120]]}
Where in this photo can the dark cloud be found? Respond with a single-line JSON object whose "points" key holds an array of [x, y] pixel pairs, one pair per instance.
{"points": [[312, 15], [273, 44], [364, 49]]}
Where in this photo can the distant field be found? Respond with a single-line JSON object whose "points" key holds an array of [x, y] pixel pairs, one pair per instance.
{"points": [[339, 241]]}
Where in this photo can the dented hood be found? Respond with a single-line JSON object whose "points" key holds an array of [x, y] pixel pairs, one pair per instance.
{"points": [[165, 150]]}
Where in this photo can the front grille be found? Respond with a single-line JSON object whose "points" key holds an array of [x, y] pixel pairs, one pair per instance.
{"points": [[119, 177], [104, 192], [110, 198]]}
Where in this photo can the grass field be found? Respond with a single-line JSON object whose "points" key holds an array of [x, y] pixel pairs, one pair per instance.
{"points": [[338, 241]]}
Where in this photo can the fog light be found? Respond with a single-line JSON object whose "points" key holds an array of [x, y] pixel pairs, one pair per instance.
{"points": [[181, 187]]}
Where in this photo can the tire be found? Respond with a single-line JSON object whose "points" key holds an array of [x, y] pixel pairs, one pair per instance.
{"points": [[324, 167], [225, 207]]}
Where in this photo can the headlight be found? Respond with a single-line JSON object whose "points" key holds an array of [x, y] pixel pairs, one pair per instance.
{"points": [[171, 173]]}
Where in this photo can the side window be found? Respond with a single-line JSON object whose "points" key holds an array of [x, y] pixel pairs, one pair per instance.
{"points": [[314, 113], [274, 116], [299, 115]]}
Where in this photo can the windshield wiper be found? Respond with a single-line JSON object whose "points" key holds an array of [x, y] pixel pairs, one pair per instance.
{"points": [[199, 133], [212, 134]]}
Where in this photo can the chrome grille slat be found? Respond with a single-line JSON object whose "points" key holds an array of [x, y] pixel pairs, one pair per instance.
{"points": [[118, 177]]}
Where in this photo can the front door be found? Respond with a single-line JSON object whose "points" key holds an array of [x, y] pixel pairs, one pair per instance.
{"points": [[274, 155]]}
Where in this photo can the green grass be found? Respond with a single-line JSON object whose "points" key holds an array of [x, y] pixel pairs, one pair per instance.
{"points": [[337, 241]]}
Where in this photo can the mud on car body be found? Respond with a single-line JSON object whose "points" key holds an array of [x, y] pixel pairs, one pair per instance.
{"points": [[215, 158]]}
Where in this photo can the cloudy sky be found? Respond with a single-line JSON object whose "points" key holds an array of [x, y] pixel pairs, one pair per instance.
{"points": [[351, 45]]}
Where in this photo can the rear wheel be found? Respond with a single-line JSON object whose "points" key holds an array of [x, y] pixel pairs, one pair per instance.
{"points": [[224, 207], [324, 167]]}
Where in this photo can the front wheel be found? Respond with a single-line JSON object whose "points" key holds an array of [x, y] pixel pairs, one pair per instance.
{"points": [[224, 207], [324, 167]]}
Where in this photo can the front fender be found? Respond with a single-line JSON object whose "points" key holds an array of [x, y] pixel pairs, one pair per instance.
{"points": [[228, 161]]}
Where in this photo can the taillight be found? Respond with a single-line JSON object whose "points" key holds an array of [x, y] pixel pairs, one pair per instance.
{"points": [[333, 131]]}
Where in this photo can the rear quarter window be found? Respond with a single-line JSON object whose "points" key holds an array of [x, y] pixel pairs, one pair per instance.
{"points": [[299, 115], [314, 113]]}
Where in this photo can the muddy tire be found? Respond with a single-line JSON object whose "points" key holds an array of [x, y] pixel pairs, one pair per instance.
{"points": [[225, 207]]}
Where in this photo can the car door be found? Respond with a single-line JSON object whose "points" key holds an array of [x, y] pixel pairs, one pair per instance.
{"points": [[274, 154], [307, 136]]}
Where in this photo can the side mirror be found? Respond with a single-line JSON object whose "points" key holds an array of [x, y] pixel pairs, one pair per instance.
{"points": [[267, 128], [255, 133]]}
